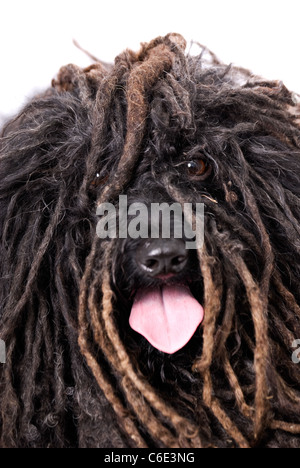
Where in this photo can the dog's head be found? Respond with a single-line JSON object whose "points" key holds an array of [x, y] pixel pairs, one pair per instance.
{"points": [[191, 346]]}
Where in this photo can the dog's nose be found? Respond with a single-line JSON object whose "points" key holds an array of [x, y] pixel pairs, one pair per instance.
{"points": [[162, 256]]}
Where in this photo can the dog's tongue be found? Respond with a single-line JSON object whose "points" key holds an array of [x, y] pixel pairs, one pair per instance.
{"points": [[167, 317]]}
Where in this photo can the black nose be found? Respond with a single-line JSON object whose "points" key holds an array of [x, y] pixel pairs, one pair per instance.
{"points": [[162, 256]]}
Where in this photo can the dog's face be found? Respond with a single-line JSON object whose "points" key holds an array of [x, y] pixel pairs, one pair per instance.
{"points": [[155, 272], [156, 278], [188, 332]]}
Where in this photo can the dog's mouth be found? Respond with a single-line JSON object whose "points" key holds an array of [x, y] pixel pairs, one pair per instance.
{"points": [[167, 316]]}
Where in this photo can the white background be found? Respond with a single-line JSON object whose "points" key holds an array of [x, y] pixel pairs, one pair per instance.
{"points": [[36, 36]]}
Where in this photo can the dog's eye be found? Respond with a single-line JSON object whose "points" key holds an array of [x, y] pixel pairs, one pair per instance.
{"points": [[98, 180], [198, 168]]}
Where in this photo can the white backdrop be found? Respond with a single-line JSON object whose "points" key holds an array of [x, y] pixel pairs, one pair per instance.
{"points": [[36, 36]]}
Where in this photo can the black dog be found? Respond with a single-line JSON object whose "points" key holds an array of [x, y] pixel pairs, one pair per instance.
{"points": [[118, 340]]}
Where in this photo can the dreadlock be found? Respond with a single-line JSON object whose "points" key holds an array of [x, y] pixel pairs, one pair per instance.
{"points": [[56, 275]]}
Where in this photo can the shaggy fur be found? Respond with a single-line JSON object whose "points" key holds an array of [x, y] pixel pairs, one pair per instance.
{"points": [[76, 374]]}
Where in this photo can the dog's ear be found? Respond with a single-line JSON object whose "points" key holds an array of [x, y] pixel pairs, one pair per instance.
{"points": [[45, 234], [42, 166]]}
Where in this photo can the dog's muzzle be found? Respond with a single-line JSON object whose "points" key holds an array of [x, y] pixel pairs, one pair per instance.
{"points": [[167, 315]]}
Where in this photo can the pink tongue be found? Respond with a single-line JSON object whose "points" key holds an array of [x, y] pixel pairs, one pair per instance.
{"points": [[166, 317]]}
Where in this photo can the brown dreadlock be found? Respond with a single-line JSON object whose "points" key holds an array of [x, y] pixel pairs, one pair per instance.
{"points": [[53, 265]]}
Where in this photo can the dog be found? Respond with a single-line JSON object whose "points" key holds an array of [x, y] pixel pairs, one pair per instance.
{"points": [[119, 340]]}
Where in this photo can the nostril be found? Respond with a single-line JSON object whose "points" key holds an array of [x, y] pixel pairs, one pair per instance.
{"points": [[151, 263], [178, 260], [162, 256]]}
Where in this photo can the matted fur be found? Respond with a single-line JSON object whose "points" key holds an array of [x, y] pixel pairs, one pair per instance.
{"points": [[76, 374]]}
